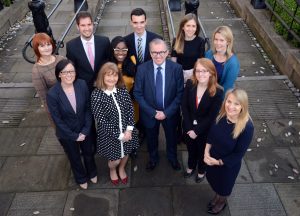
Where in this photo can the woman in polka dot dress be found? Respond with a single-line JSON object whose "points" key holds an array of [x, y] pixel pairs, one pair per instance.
{"points": [[113, 111]]}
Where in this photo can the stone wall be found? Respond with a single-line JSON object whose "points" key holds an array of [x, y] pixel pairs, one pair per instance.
{"points": [[284, 56]]}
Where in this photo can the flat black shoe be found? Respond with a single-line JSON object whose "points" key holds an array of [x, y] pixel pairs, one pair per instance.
{"points": [[150, 166], [199, 179], [175, 165], [214, 211], [188, 175]]}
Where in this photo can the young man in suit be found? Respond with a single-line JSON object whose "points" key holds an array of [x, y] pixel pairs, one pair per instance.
{"points": [[158, 90], [138, 41], [88, 52]]}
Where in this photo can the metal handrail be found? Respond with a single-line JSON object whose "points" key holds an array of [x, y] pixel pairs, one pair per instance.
{"points": [[60, 43], [289, 28], [28, 42], [171, 20], [204, 34]]}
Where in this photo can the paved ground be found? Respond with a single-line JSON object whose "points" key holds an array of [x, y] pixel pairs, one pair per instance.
{"points": [[35, 175]]}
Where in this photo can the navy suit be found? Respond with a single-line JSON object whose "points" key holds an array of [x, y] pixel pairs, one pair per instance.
{"points": [[76, 53], [69, 124], [144, 92], [130, 41], [199, 119]]}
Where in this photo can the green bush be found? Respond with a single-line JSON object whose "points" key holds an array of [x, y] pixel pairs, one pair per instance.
{"points": [[280, 29], [6, 3]]}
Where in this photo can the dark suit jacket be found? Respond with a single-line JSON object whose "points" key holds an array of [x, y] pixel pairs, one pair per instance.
{"points": [[205, 114], [68, 123], [144, 91], [131, 45], [76, 53]]}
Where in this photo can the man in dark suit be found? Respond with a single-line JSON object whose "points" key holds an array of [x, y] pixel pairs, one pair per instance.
{"points": [[138, 41], [158, 90], [88, 52]]}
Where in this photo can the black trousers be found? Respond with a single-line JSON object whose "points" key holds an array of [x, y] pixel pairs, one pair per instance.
{"points": [[82, 172], [169, 125], [196, 149]]}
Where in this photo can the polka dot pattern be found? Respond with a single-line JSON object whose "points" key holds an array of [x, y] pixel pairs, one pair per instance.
{"points": [[107, 122]]}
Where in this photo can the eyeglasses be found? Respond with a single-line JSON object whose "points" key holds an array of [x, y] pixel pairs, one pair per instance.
{"points": [[120, 50], [65, 73], [161, 53], [202, 71]]}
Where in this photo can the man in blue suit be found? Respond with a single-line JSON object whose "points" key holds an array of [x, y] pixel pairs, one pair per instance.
{"points": [[158, 90]]}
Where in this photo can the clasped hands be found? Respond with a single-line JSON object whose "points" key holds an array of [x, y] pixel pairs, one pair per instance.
{"points": [[160, 115], [127, 136], [210, 161], [81, 137]]}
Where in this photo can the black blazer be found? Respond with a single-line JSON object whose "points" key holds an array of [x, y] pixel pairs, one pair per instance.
{"points": [[68, 123], [144, 91], [131, 45], [76, 53], [205, 114]]}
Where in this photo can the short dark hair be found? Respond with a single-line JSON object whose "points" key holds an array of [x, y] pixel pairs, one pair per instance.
{"points": [[82, 15], [138, 12], [61, 65]]}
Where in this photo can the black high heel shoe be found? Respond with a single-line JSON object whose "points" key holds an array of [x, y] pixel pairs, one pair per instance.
{"points": [[216, 211], [188, 175]]}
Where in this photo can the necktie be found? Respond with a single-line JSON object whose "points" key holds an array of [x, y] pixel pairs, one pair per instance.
{"points": [[140, 50], [90, 54], [159, 89]]}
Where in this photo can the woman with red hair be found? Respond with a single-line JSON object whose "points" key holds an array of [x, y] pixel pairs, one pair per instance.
{"points": [[43, 71]]}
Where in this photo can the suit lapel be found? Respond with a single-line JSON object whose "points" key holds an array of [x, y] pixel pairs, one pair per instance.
{"points": [[65, 101], [168, 75], [150, 77]]}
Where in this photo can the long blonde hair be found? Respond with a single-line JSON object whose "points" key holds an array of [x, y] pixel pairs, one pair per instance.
{"points": [[244, 115], [179, 42], [226, 32]]}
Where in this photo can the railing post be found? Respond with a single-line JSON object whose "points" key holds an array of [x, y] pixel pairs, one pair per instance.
{"points": [[258, 4], [174, 5], [273, 10], [1, 5], [191, 6], [77, 4], [40, 19]]}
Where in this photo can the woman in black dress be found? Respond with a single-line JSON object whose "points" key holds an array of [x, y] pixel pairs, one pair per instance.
{"points": [[188, 46], [113, 111], [201, 103], [227, 143]]}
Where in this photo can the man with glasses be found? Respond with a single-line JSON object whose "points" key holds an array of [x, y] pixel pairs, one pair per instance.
{"points": [[158, 90], [88, 52]]}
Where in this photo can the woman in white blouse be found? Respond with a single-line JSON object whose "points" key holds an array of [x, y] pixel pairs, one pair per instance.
{"points": [[113, 111]]}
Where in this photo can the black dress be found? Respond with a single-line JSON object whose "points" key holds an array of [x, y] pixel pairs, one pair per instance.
{"points": [[111, 121], [192, 50], [231, 151]]}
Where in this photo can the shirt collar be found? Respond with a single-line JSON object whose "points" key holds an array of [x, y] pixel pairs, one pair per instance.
{"points": [[84, 41], [109, 92], [142, 36], [163, 65]]}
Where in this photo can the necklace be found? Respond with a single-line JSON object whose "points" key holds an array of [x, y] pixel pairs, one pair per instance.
{"points": [[228, 121]]}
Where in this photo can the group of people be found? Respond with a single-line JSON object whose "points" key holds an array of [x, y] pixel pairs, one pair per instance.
{"points": [[98, 95]]}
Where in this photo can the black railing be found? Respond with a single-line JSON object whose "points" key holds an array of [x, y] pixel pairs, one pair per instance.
{"points": [[288, 18]]}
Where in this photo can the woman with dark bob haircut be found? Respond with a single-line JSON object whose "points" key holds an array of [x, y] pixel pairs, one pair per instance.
{"points": [[43, 77], [69, 106]]}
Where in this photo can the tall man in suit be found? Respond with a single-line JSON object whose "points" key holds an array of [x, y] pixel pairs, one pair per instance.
{"points": [[88, 52], [138, 41], [158, 90]]}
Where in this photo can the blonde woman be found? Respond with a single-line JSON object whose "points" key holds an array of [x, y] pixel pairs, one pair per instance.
{"points": [[223, 57], [227, 143]]}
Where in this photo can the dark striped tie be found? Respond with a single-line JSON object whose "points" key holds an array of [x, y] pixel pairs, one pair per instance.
{"points": [[140, 51]]}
